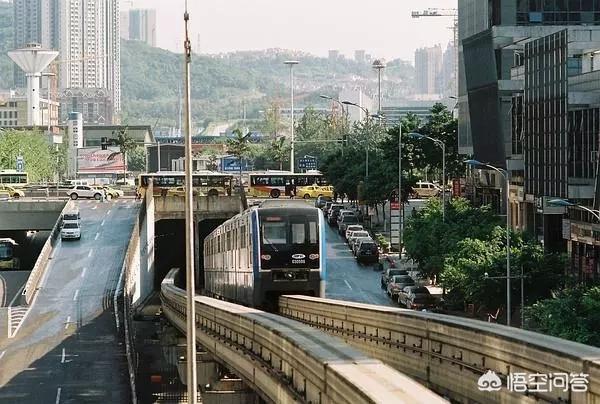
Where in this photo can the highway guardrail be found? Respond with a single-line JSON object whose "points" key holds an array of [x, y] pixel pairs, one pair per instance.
{"points": [[465, 359], [286, 361]]}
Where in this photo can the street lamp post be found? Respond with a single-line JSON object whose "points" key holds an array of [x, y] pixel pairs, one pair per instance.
{"points": [[506, 175], [366, 111], [565, 203], [443, 146], [344, 113], [291, 64]]}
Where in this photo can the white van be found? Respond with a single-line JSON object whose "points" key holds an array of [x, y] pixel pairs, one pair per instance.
{"points": [[424, 189]]}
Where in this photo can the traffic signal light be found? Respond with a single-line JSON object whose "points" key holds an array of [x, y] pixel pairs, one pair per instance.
{"points": [[104, 143], [345, 140]]}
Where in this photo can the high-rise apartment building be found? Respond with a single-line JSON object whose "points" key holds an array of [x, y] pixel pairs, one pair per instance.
{"points": [[90, 49], [360, 56], [142, 26], [428, 66], [35, 21]]}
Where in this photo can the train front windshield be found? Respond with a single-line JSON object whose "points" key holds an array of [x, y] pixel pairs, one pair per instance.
{"points": [[289, 238], [6, 251]]}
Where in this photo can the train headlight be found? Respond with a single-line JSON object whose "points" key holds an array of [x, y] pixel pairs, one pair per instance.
{"points": [[313, 256], [289, 275], [265, 257]]}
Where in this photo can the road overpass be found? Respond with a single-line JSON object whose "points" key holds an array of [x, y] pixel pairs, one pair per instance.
{"points": [[23, 215]]}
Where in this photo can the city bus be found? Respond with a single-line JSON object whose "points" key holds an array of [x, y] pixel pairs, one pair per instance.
{"points": [[8, 254], [273, 184], [14, 178], [207, 183]]}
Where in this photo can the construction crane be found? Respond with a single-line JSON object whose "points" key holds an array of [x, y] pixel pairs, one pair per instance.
{"points": [[445, 12], [441, 12]]}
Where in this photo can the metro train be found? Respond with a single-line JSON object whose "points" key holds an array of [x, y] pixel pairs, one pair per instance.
{"points": [[265, 252]]}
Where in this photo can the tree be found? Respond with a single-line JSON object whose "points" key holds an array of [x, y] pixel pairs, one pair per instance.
{"points": [[573, 314], [126, 144], [136, 159], [33, 146], [279, 151], [239, 147], [213, 161], [273, 123]]}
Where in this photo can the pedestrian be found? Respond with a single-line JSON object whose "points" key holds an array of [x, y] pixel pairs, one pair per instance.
{"points": [[335, 196], [104, 195]]}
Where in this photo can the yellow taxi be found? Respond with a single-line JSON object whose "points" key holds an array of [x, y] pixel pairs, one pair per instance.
{"points": [[314, 191], [180, 191], [113, 193], [13, 192]]}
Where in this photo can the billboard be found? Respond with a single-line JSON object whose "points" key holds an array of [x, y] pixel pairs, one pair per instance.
{"points": [[96, 160]]}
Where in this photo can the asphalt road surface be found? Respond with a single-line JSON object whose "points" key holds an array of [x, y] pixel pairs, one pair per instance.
{"points": [[346, 279], [67, 349]]}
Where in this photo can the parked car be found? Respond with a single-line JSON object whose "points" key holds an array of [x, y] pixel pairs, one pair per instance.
{"points": [[14, 193], [325, 208], [356, 235], [333, 213], [345, 218], [389, 273], [397, 283], [70, 230], [84, 191], [351, 228], [357, 242], [416, 297], [424, 189], [367, 252], [322, 201]]}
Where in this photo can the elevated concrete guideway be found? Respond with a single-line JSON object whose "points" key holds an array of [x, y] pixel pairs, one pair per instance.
{"points": [[29, 215]]}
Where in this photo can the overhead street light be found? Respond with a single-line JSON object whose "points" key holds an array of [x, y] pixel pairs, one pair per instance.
{"points": [[567, 204], [438, 142], [291, 64], [506, 175], [378, 65], [344, 112], [366, 111]]}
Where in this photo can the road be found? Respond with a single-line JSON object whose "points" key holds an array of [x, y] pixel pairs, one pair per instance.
{"points": [[66, 349], [346, 279]]}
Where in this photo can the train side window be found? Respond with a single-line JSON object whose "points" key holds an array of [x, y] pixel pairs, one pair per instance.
{"points": [[243, 237]]}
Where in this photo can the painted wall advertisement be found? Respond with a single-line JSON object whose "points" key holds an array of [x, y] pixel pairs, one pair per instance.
{"points": [[96, 160]]}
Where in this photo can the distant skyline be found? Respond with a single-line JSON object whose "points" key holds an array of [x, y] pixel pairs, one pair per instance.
{"points": [[383, 28]]}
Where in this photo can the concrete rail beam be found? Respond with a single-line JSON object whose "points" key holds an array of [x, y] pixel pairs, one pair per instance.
{"points": [[450, 354], [205, 207], [285, 361]]}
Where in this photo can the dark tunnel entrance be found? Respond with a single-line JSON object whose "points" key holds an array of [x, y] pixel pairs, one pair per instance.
{"points": [[169, 249]]}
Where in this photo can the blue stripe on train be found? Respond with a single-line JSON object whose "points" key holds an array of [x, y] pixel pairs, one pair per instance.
{"points": [[323, 243], [255, 246]]}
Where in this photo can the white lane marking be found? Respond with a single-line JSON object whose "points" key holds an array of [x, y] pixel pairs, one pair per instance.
{"points": [[2, 354], [347, 284], [83, 271], [108, 212], [97, 235], [67, 322], [102, 224], [17, 295], [76, 294], [95, 207], [90, 252], [58, 395], [62, 358]]}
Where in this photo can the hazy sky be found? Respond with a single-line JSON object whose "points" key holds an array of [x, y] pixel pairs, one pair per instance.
{"points": [[383, 28]]}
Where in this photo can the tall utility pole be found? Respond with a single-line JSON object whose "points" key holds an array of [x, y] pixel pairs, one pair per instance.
{"points": [[189, 225], [291, 64]]}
